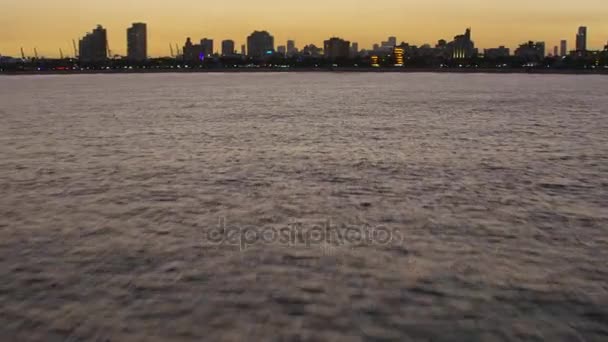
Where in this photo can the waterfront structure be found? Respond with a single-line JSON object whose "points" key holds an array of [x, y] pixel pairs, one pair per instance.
{"points": [[207, 47], [495, 53], [581, 40], [137, 42], [531, 51], [260, 44], [228, 47], [93, 47], [563, 48], [462, 46], [336, 48]]}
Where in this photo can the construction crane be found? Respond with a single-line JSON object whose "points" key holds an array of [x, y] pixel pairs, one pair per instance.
{"points": [[36, 53], [75, 49], [22, 54], [177, 50], [60, 53], [171, 48]]}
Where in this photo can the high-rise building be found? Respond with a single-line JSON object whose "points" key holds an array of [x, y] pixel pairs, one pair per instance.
{"points": [[282, 50], [207, 46], [581, 39], [555, 51], [354, 49], [227, 47], [260, 44], [291, 48], [94, 46], [398, 56], [336, 48], [137, 42], [462, 46], [563, 47], [243, 50]]}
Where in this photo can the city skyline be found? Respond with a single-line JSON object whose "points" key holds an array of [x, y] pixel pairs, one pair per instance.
{"points": [[56, 26]]}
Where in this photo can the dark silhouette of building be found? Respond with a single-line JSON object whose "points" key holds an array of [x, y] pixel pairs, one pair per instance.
{"points": [[531, 51], [137, 42], [311, 50], [228, 47], [462, 46], [207, 47], [495, 53], [336, 48], [93, 46], [354, 49], [282, 50], [260, 44], [291, 48], [581, 40], [192, 52], [563, 48]]}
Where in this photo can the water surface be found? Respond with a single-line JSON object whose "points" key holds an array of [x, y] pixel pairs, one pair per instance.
{"points": [[493, 186]]}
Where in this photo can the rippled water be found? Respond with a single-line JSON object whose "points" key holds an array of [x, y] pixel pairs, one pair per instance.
{"points": [[494, 188]]}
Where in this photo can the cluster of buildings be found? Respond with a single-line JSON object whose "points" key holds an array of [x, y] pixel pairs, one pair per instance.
{"points": [[93, 49]]}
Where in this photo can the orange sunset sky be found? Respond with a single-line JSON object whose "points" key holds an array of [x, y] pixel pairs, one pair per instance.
{"points": [[51, 25]]}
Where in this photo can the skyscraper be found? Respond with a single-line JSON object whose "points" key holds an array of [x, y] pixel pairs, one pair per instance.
{"points": [[555, 53], [354, 49], [563, 48], [94, 46], [243, 50], [137, 42], [581, 39], [336, 48], [207, 46], [291, 48], [282, 50], [227, 47], [260, 44]]}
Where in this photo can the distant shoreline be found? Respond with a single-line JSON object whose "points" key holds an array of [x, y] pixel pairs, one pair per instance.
{"points": [[323, 70]]}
